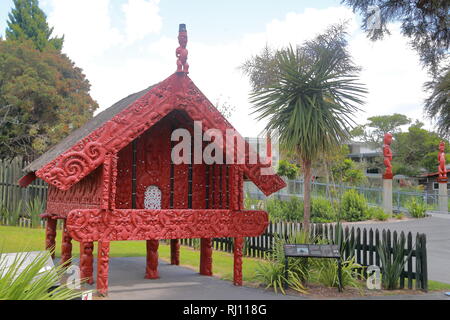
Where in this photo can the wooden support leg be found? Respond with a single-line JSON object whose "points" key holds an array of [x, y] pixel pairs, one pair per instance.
{"points": [[237, 275], [102, 268], [50, 236], [87, 261], [206, 257], [66, 246], [151, 271], [175, 252]]}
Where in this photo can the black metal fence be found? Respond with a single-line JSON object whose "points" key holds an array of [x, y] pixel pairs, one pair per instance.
{"points": [[364, 248]]}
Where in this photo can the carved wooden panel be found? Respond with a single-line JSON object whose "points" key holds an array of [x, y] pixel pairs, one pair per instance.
{"points": [[118, 225], [176, 92]]}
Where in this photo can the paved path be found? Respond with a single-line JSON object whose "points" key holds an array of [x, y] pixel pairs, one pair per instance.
{"points": [[437, 230], [126, 282]]}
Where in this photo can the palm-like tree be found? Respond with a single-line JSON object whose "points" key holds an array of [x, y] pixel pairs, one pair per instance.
{"points": [[312, 101]]}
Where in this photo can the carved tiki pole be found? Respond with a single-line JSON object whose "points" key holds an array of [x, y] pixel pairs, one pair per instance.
{"points": [[87, 261], [66, 246], [388, 175], [50, 235], [442, 179], [237, 267], [102, 268]]}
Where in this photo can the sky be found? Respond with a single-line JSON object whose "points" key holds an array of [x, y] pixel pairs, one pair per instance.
{"points": [[124, 46]]}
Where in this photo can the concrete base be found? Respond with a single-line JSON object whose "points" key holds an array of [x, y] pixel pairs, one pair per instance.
{"points": [[387, 196], [443, 198]]}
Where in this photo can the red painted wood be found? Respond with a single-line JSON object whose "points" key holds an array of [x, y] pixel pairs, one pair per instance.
{"points": [[176, 92], [87, 261], [124, 176], [50, 236], [175, 252], [237, 267], [206, 257], [102, 268], [151, 271], [66, 246], [118, 225]]}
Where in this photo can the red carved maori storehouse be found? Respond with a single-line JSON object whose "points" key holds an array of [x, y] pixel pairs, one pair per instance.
{"points": [[114, 180]]}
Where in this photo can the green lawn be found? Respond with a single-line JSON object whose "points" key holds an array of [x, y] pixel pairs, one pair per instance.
{"points": [[15, 239]]}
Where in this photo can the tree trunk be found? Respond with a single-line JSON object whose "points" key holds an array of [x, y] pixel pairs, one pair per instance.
{"points": [[307, 194]]}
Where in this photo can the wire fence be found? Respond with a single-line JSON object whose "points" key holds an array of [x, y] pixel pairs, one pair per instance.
{"points": [[331, 192]]}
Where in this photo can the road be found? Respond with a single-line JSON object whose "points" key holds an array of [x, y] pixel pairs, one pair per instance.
{"points": [[437, 230]]}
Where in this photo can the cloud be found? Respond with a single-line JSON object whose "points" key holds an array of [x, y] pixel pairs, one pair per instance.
{"points": [[86, 26], [117, 68], [142, 18]]}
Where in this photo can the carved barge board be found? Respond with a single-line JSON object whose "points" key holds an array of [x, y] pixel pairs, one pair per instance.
{"points": [[118, 225]]}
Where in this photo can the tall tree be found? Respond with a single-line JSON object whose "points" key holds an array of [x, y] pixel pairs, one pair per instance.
{"points": [[28, 22], [437, 106], [424, 22], [416, 150], [373, 132], [43, 97], [311, 100]]}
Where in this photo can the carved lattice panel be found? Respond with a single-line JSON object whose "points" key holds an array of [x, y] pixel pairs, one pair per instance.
{"points": [[152, 198]]}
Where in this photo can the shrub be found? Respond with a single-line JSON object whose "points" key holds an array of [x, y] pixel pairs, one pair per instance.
{"points": [[33, 209], [392, 262], [291, 210], [273, 273], [378, 213], [322, 211], [287, 169], [30, 282], [400, 216], [327, 273], [416, 208], [354, 206]]}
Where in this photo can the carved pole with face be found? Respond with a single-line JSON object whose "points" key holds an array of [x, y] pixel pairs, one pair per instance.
{"points": [[182, 52], [387, 153], [441, 158]]}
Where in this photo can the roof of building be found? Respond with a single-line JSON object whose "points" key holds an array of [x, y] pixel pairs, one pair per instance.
{"points": [[84, 131], [86, 148]]}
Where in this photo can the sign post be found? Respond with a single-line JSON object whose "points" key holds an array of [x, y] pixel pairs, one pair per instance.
{"points": [[313, 251]]}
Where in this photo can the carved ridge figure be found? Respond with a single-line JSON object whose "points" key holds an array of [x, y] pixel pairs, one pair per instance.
{"points": [[387, 152], [441, 158], [182, 52]]}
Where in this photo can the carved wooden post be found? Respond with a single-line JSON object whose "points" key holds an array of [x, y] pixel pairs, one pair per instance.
{"points": [[87, 261], [388, 175], [50, 236], [206, 257], [151, 271], [175, 252], [102, 268], [237, 275], [442, 179], [66, 246]]}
